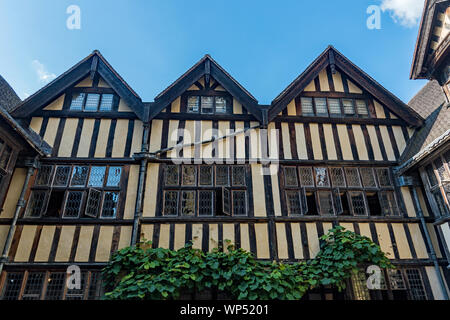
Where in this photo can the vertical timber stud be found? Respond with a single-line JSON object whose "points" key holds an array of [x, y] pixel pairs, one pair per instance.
{"points": [[431, 252], [141, 181], [32, 164]]}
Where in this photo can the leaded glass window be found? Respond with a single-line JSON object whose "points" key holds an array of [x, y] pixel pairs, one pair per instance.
{"points": [[307, 106], [36, 204], [388, 203], [396, 280], [417, 289], [79, 176], [325, 202], [77, 101], [238, 175], [5, 155], [93, 203], [293, 202], [170, 203], [368, 178], [33, 287], [78, 294], [442, 172], [221, 105], [290, 176], [110, 201], [335, 107], [306, 176], [189, 175], [73, 204], [193, 104], [384, 178], [44, 175], [239, 202], [114, 175], [107, 102], [55, 286], [171, 175], [207, 106], [358, 203], [188, 203], [349, 108], [62, 174], [206, 175], [92, 101], [222, 176], [12, 286], [352, 177], [205, 203], [97, 176], [322, 177], [361, 107], [321, 107], [337, 177]]}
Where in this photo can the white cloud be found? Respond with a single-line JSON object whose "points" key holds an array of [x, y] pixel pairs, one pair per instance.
{"points": [[42, 72], [405, 12]]}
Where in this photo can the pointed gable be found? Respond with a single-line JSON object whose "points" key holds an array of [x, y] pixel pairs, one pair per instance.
{"points": [[206, 74], [332, 68], [92, 68], [432, 41]]}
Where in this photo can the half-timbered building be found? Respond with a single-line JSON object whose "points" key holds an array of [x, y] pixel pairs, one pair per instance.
{"points": [[206, 163]]}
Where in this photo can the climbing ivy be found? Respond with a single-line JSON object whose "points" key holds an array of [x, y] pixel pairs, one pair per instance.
{"points": [[143, 272]]}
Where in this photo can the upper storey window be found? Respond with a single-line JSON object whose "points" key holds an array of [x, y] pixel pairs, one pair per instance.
{"points": [[333, 107], [208, 104], [92, 102]]}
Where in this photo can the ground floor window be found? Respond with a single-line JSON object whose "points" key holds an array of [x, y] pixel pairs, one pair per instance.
{"points": [[49, 285]]}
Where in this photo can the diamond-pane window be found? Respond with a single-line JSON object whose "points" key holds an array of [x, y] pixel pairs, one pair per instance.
{"points": [[62, 174], [97, 176], [322, 177], [92, 101], [114, 175], [205, 203], [290, 177], [293, 202], [239, 202], [306, 176], [110, 201], [77, 101], [171, 175], [206, 176], [337, 177], [238, 175], [325, 202], [188, 203], [189, 175], [222, 176], [73, 204], [170, 203], [93, 203], [352, 177], [358, 203], [44, 175], [368, 178], [36, 204], [384, 178], [79, 176]]}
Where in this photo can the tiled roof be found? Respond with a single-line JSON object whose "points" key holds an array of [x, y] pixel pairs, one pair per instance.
{"points": [[429, 102], [8, 97]]}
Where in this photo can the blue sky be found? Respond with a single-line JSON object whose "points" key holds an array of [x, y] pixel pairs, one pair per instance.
{"points": [[263, 44]]}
